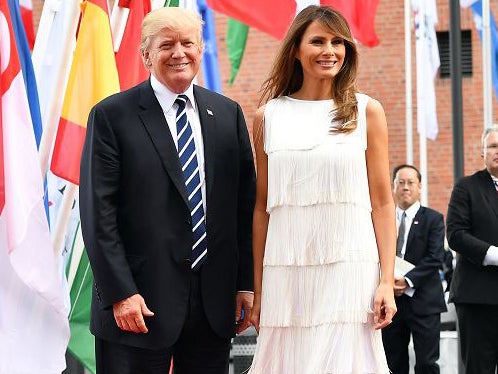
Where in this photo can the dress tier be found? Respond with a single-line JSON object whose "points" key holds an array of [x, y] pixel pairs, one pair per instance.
{"points": [[321, 265]]}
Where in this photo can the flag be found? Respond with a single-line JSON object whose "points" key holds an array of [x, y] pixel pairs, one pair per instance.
{"points": [[129, 63], [52, 57], [34, 329], [275, 18], [427, 60], [476, 7], [236, 43], [210, 66], [23, 49], [80, 278], [93, 77], [26, 7]]}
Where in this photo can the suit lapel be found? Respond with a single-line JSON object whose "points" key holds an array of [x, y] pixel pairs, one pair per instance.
{"points": [[207, 117], [155, 124], [489, 191], [414, 229]]}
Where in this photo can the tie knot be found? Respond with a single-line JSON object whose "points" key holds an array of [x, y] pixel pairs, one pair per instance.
{"points": [[181, 100]]}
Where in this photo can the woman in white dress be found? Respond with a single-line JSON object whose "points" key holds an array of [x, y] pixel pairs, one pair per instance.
{"points": [[324, 228]]}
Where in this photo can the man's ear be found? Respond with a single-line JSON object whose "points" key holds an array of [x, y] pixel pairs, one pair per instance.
{"points": [[146, 58]]}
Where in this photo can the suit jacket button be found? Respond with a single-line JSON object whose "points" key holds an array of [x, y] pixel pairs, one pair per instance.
{"points": [[189, 222], [187, 261]]}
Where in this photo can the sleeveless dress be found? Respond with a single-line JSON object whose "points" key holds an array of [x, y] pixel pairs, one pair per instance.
{"points": [[321, 265]]}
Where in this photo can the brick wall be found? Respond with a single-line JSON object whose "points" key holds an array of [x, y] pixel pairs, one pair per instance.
{"points": [[382, 76]]}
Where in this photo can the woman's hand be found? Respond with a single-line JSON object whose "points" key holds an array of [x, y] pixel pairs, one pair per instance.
{"points": [[256, 310], [384, 305]]}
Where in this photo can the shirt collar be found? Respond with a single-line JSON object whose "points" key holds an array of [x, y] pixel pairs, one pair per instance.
{"points": [[166, 97], [410, 212]]}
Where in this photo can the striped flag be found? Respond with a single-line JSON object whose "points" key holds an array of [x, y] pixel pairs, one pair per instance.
{"points": [[23, 48], [93, 77], [34, 329]]}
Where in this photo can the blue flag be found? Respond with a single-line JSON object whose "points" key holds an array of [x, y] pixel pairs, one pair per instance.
{"points": [[477, 11], [27, 68], [210, 66]]}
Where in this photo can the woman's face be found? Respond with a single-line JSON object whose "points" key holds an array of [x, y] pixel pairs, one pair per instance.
{"points": [[320, 52]]}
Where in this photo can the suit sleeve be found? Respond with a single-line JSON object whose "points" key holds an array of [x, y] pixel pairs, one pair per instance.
{"points": [[246, 199], [99, 189], [433, 253], [459, 222]]}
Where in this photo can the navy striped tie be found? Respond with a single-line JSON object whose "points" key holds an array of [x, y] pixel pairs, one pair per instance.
{"points": [[191, 176]]}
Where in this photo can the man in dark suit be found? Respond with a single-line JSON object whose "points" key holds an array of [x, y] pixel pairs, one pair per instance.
{"points": [[419, 292], [473, 233], [167, 194]]}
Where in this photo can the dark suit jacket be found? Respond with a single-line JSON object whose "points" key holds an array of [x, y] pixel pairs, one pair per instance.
{"points": [[472, 227], [425, 249], [136, 221]]}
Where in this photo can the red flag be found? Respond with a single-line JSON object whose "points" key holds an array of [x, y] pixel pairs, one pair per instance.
{"points": [[128, 60], [275, 17], [271, 17], [361, 18]]}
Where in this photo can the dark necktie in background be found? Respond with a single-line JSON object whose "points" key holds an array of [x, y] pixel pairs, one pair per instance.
{"points": [[191, 176], [401, 235]]}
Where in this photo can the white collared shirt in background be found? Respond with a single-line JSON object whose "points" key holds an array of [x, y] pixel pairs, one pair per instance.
{"points": [[409, 221]]}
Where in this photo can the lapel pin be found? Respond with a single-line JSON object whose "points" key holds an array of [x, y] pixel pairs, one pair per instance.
{"points": [[415, 222], [209, 112]]}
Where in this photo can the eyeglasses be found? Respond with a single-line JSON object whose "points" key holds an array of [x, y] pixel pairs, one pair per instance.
{"points": [[409, 183]]}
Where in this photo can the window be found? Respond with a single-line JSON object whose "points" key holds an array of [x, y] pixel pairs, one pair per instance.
{"points": [[443, 41]]}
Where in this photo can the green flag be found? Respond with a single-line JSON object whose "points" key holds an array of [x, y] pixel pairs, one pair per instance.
{"points": [[236, 44], [172, 3], [82, 343]]}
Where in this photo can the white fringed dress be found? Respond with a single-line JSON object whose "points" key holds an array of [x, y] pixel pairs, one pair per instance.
{"points": [[321, 265]]}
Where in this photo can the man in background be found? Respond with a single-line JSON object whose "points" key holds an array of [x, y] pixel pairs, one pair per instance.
{"points": [[417, 288], [473, 233]]}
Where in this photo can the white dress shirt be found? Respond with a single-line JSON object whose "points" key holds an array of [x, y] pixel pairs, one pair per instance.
{"points": [[491, 257], [167, 99], [409, 221]]}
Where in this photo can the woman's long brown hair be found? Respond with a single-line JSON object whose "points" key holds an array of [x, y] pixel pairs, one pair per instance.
{"points": [[286, 76]]}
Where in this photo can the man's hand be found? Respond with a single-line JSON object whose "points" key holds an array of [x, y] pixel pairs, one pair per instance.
{"points": [[130, 312], [243, 310], [400, 286]]}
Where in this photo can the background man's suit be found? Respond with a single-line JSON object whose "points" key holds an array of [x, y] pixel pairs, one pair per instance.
{"points": [[141, 228], [421, 313], [472, 226]]}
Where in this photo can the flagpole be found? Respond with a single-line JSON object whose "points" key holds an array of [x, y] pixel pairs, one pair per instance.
{"points": [[119, 17], [487, 78], [408, 84], [59, 234], [51, 117]]}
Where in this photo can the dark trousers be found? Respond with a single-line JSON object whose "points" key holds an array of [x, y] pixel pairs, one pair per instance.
{"points": [[478, 330], [425, 331], [198, 350]]}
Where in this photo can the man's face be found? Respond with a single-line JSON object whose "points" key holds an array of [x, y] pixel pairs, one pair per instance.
{"points": [[406, 188], [490, 153], [174, 57]]}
